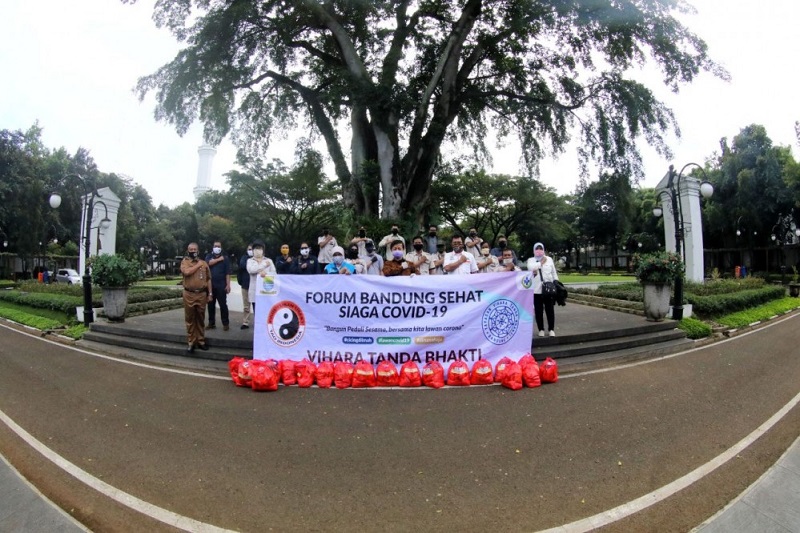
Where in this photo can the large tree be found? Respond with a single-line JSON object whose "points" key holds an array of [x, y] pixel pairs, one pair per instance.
{"points": [[403, 77]]}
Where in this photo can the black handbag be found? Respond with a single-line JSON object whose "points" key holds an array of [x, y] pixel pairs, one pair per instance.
{"points": [[549, 289]]}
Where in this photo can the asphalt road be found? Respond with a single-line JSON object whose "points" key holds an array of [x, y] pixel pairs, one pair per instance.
{"points": [[471, 459]]}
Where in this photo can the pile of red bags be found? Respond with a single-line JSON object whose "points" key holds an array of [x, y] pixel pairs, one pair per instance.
{"points": [[266, 375]]}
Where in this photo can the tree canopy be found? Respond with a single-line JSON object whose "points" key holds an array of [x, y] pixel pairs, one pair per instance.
{"points": [[404, 77]]}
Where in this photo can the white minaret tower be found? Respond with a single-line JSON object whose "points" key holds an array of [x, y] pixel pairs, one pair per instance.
{"points": [[206, 153]]}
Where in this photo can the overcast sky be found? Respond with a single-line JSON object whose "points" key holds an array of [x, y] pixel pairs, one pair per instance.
{"points": [[72, 66]]}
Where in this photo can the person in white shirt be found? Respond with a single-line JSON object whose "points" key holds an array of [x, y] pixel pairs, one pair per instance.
{"points": [[361, 241], [419, 260], [507, 262], [258, 267], [473, 243], [389, 239], [487, 263], [326, 243], [373, 260], [459, 261], [544, 269]]}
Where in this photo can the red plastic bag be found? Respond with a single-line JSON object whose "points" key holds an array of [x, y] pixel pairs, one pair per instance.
{"points": [[482, 373], [549, 370], [342, 374], [409, 375], [305, 371], [288, 375], [501, 369], [433, 375], [264, 376], [513, 377], [363, 375], [530, 372], [325, 375], [233, 368], [525, 359], [458, 374], [245, 373], [387, 375]]}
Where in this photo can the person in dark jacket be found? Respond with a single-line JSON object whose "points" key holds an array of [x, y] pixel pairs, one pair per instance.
{"points": [[305, 263], [220, 266], [244, 282]]}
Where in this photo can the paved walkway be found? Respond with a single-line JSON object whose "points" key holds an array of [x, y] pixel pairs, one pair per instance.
{"points": [[771, 504]]}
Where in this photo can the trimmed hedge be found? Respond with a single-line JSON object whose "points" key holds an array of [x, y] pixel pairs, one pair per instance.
{"points": [[34, 321], [56, 302], [722, 304]]}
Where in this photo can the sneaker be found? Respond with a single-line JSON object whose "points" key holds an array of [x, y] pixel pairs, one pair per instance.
{"points": [[190, 349], [244, 326], [541, 333], [552, 333], [211, 326], [225, 327]]}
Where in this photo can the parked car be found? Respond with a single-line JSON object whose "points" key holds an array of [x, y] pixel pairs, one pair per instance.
{"points": [[68, 276]]}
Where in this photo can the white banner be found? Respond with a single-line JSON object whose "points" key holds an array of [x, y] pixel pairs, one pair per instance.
{"points": [[375, 318]]}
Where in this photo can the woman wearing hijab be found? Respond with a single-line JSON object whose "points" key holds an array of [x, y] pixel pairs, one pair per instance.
{"points": [[544, 270]]}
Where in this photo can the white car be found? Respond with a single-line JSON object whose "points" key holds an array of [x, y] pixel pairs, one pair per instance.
{"points": [[68, 275]]}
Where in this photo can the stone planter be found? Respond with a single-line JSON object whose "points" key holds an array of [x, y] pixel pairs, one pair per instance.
{"points": [[656, 300], [794, 289], [115, 300]]}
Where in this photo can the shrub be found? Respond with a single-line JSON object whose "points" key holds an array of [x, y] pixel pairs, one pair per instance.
{"points": [[657, 267], [720, 304], [28, 319], [695, 329], [114, 271]]}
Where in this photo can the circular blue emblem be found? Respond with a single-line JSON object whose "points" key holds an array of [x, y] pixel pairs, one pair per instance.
{"points": [[500, 321]]}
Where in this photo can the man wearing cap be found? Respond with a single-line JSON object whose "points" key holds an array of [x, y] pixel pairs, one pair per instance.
{"points": [[544, 269], [196, 295], [338, 265]]}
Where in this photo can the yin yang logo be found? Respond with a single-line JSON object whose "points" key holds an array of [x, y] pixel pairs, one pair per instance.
{"points": [[286, 323]]}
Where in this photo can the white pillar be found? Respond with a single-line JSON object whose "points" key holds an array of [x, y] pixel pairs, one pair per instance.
{"points": [[206, 153], [689, 200], [103, 241]]}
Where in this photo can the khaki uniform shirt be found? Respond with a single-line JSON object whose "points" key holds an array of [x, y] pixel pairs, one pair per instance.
{"points": [[197, 281]]}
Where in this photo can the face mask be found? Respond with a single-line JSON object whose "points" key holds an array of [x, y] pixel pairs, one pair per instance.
{"points": [[193, 255], [457, 248], [502, 244], [538, 253], [394, 231], [304, 252], [352, 253], [397, 254], [249, 253], [485, 251], [432, 233], [217, 250], [362, 234], [325, 232], [338, 260], [508, 261], [473, 234], [258, 254], [285, 250], [371, 251], [418, 247]]}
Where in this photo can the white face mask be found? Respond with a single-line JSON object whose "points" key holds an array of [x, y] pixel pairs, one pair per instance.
{"points": [[485, 251], [217, 250], [338, 260], [508, 261], [250, 253], [258, 254], [304, 252]]}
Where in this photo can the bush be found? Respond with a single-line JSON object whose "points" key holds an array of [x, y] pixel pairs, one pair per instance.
{"points": [[658, 267], [695, 329], [56, 302], [721, 304], [762, 312], [723, 286], [28, 319], [7, 284], [114, 271]]}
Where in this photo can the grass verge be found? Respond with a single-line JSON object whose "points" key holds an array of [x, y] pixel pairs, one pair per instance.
{"points": [[762, 312]]}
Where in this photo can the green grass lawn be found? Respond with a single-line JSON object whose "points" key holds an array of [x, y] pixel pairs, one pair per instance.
{"points": [[158, 282], [757, 314]]}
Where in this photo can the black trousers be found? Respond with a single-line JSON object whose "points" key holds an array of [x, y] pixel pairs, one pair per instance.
{"points": [[222, 297], [544, 305]]}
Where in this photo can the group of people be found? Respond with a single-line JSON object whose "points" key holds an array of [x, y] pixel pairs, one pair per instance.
{"points": [[207, 282]]}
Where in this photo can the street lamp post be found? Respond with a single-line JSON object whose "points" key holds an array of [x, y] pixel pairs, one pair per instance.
{"points": [[90, 192], [674, 186]]}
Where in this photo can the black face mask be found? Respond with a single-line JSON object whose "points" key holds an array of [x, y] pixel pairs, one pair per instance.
{"points": [[193, 255], [417, 247], [502, 244], [362, 234], [325, 232], [432, 233], [473, 234], [394, 231], [352, 253]]}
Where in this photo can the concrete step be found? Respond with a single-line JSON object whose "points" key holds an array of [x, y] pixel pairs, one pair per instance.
{"points": [[598, 345], [605, 334], [218, 338], [600, 360], [216, 351]]}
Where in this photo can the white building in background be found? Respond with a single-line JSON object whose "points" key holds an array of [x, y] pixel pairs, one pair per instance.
{"points": [[206, 153], [103, 236]]}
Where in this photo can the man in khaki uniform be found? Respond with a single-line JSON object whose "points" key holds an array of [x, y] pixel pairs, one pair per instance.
{"points": [[196, 295]]}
